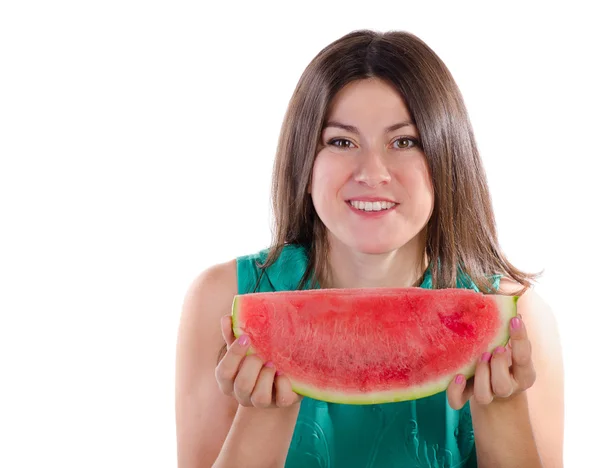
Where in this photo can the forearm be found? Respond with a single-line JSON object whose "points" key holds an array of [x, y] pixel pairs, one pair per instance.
{"points": [[258, 438], [503, 434]]}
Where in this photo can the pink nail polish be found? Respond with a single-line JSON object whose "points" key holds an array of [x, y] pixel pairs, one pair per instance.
{"points": [[515, 323], [278, 373], [485, 357], [244, 340], [459, 379], [499, 350], [269, 364]]}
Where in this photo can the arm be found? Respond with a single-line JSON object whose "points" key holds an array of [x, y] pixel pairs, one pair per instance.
{"points": [[504, 434], [527, 429], [524, 428], [212, 428], [259, 438]]}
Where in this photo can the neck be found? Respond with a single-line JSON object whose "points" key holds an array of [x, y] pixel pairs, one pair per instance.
{"points": [[399, 268]]}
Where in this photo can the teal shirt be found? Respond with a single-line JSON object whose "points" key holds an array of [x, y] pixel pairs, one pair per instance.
{"points": [[424, 433]]}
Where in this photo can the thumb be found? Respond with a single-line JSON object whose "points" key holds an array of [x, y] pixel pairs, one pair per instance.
{"points": [[227, 330]]}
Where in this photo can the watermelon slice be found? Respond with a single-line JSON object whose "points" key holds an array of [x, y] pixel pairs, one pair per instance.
{"points": [[378, 345]]}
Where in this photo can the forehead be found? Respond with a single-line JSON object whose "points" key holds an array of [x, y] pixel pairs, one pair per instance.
{"points": [[368, 99]]}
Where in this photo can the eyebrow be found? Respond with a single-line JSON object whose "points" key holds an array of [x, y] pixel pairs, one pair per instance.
{"points": [[353, 129]]}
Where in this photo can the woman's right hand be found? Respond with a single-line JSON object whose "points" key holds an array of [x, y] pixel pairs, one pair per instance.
{"points": [[250, 381]]}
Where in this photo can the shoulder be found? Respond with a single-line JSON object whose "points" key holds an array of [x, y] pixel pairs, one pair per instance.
{"points": [[208, 298], [542, 330], [212, 289], [222, 276], [199, 338], [536, 313]]}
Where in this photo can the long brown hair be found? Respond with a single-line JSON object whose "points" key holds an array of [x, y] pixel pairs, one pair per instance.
{"points": [[461, 233]]}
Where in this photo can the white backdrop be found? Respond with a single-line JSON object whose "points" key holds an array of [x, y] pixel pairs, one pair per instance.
{"points": [[136, 144]]}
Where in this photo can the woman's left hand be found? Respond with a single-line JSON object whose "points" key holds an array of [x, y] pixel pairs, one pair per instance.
{"points": [[501, 375]]}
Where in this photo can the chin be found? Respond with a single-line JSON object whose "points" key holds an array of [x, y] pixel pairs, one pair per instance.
{"points": [[376, 247]]}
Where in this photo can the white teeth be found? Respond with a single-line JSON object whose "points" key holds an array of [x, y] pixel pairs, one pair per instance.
{"points": [[372, 206]]}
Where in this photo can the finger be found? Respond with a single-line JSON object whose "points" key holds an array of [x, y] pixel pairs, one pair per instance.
{"points": [[522, 364], [284, 395], [262, 396], [459, 391], [228, 367], [482, 390], [502, 383], [227, 330], [246, 378]]}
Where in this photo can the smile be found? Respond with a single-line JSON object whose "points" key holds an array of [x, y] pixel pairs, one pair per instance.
{"points": [[371, 206]]}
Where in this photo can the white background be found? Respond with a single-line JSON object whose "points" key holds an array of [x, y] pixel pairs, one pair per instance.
{"points": [[136, 144]]}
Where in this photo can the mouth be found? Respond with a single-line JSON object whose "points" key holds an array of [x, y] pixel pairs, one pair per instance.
{"points": [[377, 206]]}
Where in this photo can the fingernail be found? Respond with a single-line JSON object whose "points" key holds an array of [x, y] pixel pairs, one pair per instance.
{"points": [[459, 379], [243, 340], [499, 350], [269, 364], [277, 373], [515, 323], [485, 357]]}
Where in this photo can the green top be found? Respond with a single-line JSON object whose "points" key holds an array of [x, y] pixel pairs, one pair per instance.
{"points": [[424, 433]]}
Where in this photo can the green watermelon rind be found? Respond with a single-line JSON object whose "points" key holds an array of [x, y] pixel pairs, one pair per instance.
{"points": [[507, 306]]}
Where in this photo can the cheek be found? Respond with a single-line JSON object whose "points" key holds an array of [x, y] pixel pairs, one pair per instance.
{"points": [[415, 179], [328, 176]]}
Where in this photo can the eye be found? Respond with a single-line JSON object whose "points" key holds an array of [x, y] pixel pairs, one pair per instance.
{"points": [[406, 142], [340, 143]]}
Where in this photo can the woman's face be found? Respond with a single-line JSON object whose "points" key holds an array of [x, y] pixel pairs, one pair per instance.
{"points": [[371, 185]]}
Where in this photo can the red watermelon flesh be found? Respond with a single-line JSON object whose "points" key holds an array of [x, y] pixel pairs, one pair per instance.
{"points": [[377, 345]]}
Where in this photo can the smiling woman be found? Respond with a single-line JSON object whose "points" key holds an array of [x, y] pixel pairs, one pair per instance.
{"points": [[378, 160], [377, 183]]}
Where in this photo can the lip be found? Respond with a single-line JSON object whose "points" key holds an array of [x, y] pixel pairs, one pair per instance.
{"points": [[371, 199]]}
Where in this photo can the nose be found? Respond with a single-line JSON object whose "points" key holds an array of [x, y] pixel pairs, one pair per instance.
{"points": [[372, 170]]}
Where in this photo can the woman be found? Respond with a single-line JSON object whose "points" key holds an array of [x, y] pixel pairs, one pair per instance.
{"points": [[377, 183]]}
